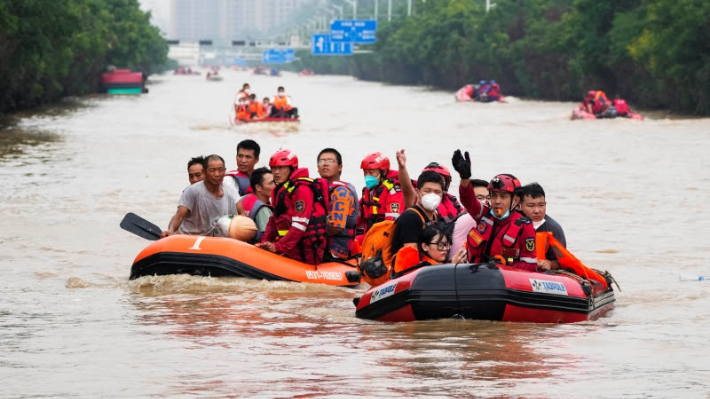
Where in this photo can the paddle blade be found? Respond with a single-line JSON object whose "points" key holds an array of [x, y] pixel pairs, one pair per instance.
{"points": [[140, 227]]}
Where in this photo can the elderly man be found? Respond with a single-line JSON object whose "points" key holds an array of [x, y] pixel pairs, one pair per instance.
{"points": [[204, 202]]}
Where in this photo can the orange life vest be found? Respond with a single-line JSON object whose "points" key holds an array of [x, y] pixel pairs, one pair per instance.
{"points": [[243, 112], [281, 103], [544, 240], [600, 95]]}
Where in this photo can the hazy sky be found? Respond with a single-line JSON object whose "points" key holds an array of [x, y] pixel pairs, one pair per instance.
{"points": [[160, 11]]}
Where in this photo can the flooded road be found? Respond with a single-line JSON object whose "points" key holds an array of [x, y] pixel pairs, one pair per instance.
{"points": [[630, 195]]}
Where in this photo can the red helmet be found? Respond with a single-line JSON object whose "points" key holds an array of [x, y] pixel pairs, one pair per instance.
{"points": [[591, 93], [440, 169], [375, 161], [284, 158], [504, 182]]}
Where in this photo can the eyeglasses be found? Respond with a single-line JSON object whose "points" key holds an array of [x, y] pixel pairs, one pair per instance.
{"points": [[441, 245], [330, 161]]}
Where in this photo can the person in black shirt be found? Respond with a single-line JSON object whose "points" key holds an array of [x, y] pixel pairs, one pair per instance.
{"points": [[409, 225], [534, 206]]}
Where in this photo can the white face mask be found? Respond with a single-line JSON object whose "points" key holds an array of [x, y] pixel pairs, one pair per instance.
{"points": [[281, 94], [247, 91], [431, 201]]}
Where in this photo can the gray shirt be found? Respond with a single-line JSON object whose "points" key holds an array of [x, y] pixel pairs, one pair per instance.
{"points": [[205, 209]]}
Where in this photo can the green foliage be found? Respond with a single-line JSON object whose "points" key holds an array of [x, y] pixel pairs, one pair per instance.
{"points": [[655, 53], [50, 49]]}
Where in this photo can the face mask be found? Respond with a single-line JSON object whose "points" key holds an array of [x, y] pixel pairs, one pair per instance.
{"points": [[281, 94], [371, 181], [505, 215], [247, 91], [431, 201]]}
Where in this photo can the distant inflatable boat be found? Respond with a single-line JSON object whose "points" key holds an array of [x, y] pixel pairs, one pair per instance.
{"points": [[225, 257], [581, 113], [123, 81], [486, 292]]}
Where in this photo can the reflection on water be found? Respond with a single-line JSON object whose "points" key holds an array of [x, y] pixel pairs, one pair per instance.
{"points": [[14, 142]]}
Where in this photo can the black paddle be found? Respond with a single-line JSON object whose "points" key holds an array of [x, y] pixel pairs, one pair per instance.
{"points": [[140, 227]]}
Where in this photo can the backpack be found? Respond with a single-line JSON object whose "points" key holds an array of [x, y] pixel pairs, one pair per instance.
{"points": [[378, 242]]}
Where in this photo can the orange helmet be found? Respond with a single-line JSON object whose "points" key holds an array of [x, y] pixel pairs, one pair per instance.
{"points": [[375, 161], [284, 158], [504, 182]]}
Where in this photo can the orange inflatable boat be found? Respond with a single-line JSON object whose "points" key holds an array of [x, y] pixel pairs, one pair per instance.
{"points": [[225, 257]]}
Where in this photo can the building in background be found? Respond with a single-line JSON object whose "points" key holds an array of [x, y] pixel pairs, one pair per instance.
{"points": [[225, 20]]}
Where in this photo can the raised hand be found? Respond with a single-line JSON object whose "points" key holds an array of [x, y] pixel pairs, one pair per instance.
{"points": [[401, 158], [462, 164]]}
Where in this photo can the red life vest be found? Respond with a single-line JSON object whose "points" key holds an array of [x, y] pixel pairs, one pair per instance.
{"points": [[241, 180], [251, 204], [494, 91], [449, 207], [315, 234], [382, 202], [482, 249], [622, 109]]}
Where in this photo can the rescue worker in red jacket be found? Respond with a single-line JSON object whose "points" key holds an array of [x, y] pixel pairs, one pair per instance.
{"points": [[449, 207], [382, 197], [501, 233], [297, 228]]}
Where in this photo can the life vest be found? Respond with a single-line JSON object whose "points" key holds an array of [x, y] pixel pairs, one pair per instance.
{"points": [[243, 112], [251, 204], [449, 207], [372, 203], [281, 103], [258, 109], [315, 234], [545, 240], [622, 109], [600, 96], [342, 243], [241, 180], [494, 90], [408, 257], [481, 247]]}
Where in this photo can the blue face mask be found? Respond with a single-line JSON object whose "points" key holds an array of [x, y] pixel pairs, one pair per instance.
{"points": [[505, 215], [371, 181]]}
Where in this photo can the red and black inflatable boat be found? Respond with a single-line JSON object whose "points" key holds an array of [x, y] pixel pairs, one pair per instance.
{"points": [[486, 292]]}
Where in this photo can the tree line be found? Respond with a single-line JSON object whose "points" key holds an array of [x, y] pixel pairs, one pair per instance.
{"points": [[50, 49], [653, 53]]}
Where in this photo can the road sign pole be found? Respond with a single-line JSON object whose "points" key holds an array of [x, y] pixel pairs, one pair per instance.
{"points": [[377, 6], [389, 10]]}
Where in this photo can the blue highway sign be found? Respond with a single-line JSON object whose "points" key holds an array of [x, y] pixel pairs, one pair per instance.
{"points": [[278, 56], [322, 45], [353, 30]]}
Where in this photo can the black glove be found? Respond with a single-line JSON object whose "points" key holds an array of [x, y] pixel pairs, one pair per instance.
{"points": [[461, 164]]}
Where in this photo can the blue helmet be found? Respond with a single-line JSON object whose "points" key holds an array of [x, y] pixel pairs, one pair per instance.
{"points": [[493, 81], [482, 82]]}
